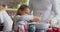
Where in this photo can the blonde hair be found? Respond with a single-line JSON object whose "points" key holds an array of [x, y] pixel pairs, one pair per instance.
{"points": [[1, 7]]}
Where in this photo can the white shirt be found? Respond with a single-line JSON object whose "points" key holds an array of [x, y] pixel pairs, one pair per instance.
{"points": [[45, 7], [18, 18], [6, 20]]}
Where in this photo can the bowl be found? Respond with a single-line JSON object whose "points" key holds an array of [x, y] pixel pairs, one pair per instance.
{"points": [[42, 26]]}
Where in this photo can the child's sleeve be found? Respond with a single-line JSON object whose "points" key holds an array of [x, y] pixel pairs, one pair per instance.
{"points": [[28, 17], [24, 18]]}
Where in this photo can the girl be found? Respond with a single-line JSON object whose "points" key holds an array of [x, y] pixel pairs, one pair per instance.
{"points": [[23, 14], [24, 11]]}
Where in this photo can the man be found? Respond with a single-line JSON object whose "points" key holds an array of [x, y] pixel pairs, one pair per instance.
{"points": [[44, 8], [5, 20]]}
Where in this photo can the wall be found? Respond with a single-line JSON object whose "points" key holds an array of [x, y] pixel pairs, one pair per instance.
{"points": [[4, 2]]}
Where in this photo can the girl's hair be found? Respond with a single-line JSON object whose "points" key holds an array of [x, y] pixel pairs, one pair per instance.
{"points": [[21, 8]]}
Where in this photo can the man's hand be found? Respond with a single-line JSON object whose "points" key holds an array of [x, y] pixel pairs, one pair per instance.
{"points": [[51, 23]]}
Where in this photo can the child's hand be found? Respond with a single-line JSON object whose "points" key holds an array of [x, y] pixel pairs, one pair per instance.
{"points": [[36, 19]]}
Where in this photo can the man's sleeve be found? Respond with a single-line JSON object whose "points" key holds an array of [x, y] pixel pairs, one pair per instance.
{"points": [[30, 6], [7, 22], [1, 19], [56, 11]]}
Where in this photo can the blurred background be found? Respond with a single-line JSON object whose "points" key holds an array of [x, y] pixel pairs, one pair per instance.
{"points": [[12, 5]]}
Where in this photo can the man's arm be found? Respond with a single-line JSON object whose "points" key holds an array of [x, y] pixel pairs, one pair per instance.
{"points": [[1, 19], [7, 22], [31, 7], [56, 11]]}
